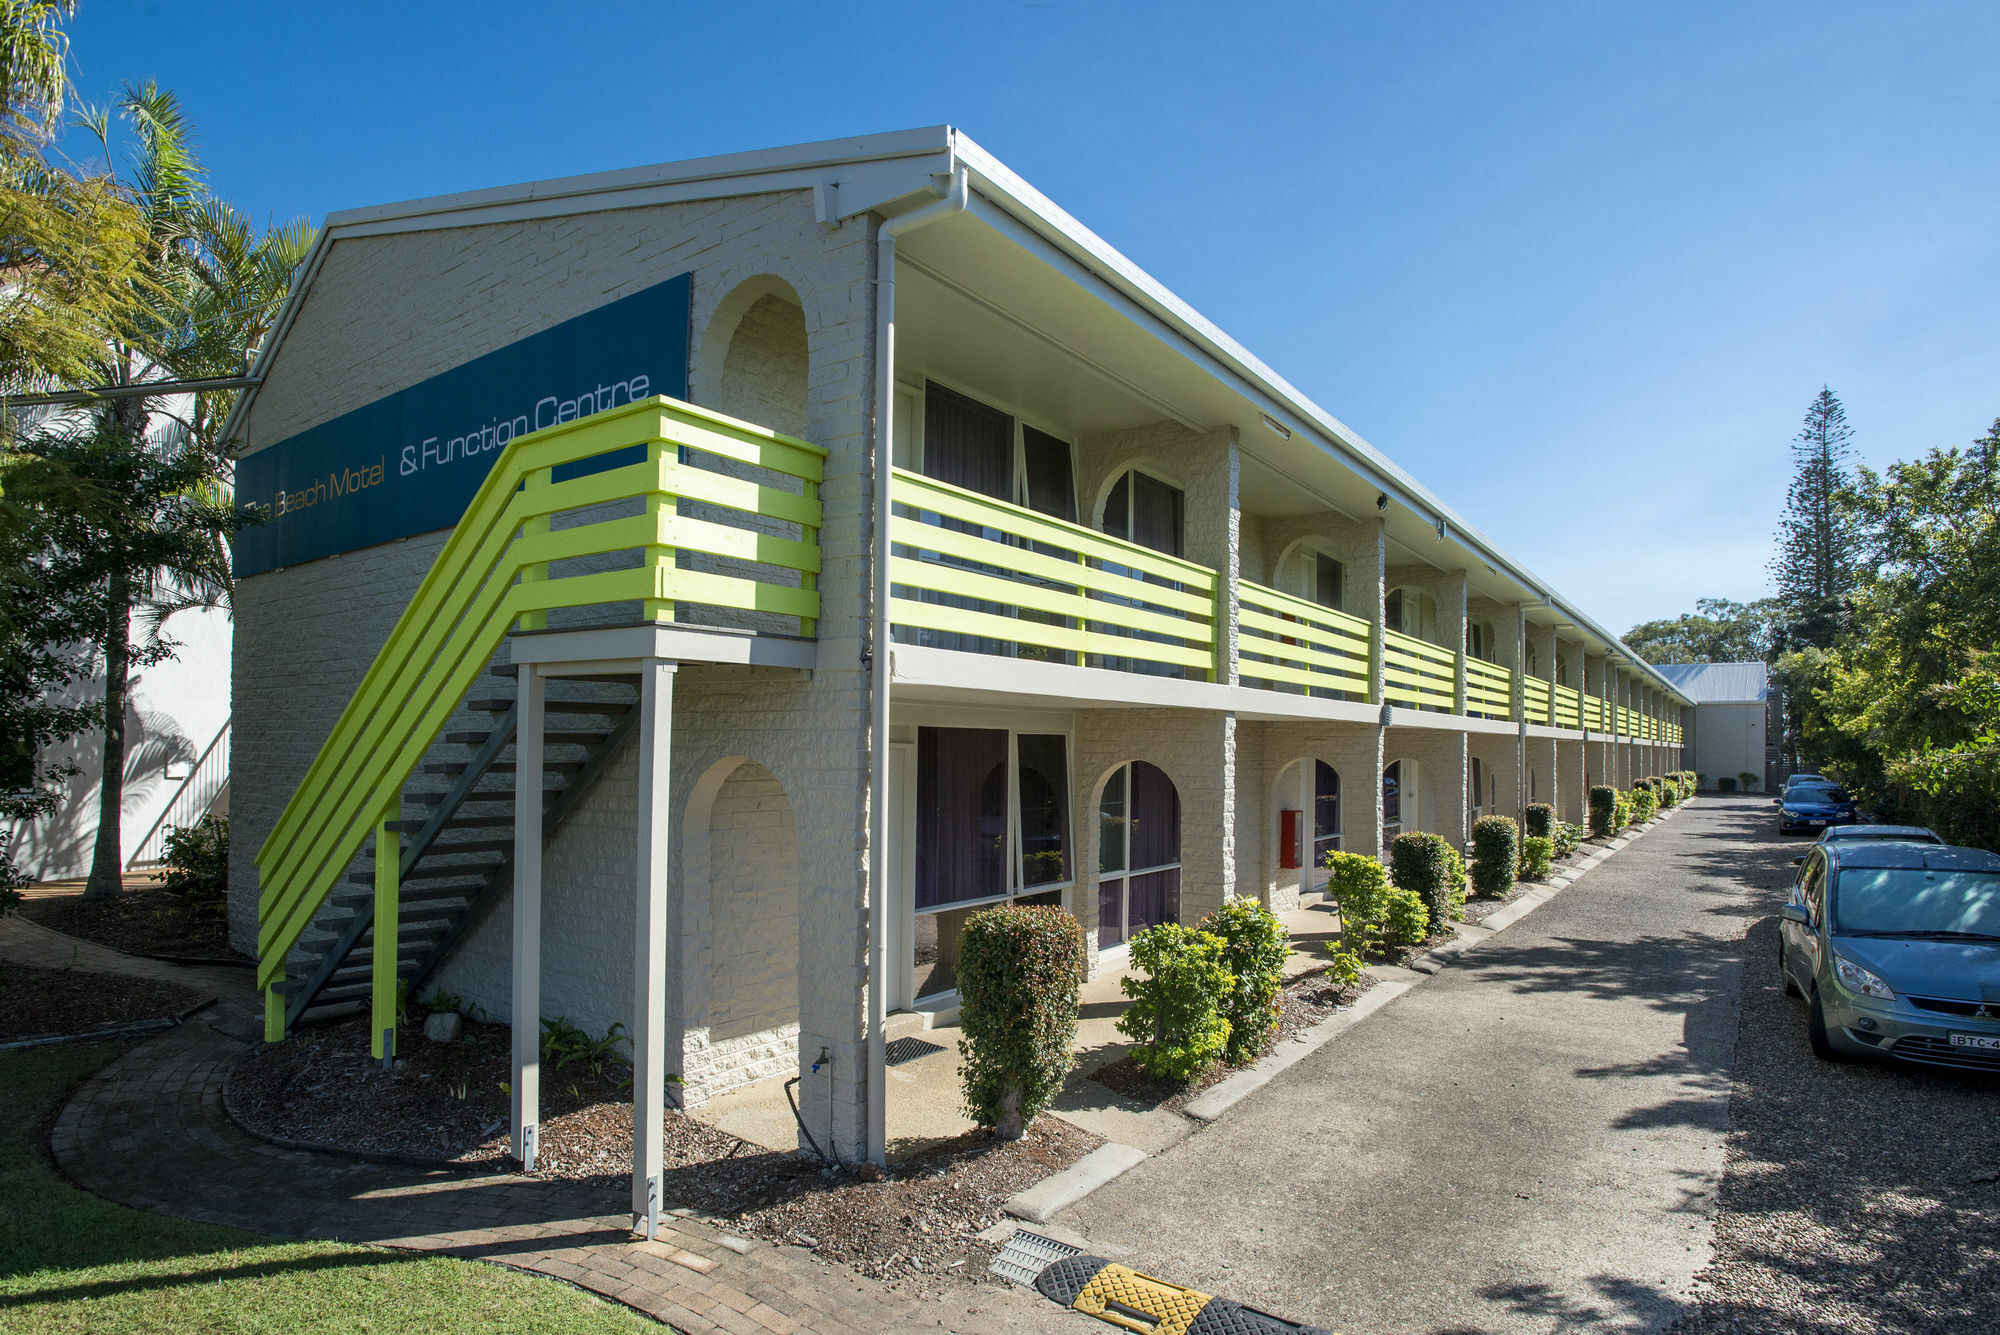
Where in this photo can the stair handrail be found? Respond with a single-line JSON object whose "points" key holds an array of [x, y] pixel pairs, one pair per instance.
{"points": [[191, 801], [473, 593]]}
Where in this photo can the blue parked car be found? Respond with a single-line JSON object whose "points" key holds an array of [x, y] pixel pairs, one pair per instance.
{"points": [[1896, 948], [1814, 807]]}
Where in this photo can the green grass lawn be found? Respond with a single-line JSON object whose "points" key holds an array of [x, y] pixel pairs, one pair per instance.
{"points": [[72, 1262]]}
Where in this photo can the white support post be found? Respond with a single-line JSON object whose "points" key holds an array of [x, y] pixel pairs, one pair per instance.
{"points": [[527, 1001], [649, 942]]}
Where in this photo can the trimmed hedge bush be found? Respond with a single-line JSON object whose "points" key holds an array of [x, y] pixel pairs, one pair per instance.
{"points": [[1254, 946], [1430, 868], [1019, 968], [1603, 809], [1408, 920], [1360, 886], [1176, 1018], [1495, 851], [1538, 855], [1644, 804], [1539, 820]]}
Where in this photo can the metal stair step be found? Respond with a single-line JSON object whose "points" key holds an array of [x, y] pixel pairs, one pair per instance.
{"points": [[609, 708], [477, 846], [455, 823], [422, 873], [456, 767], [587, 737]]}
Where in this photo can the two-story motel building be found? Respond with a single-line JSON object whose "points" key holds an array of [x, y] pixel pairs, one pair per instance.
{"points": [[962, 563]]}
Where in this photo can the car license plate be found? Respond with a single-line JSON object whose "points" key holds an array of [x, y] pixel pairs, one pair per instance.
{"points": [[1975, 1041], [1815, 822]]}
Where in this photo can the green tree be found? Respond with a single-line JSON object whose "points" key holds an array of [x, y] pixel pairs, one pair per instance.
{"points": [[1717, 631], [1818, 537]]}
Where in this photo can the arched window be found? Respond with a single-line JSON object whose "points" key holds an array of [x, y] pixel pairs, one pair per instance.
{"points": [[1475, 792], [1138, 853], [1143, 509], [1326, 811]]}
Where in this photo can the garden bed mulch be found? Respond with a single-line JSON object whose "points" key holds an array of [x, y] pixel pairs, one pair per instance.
{"points": [[138, 922], [1306, 1000], [447, 1103], [36, 1002]]}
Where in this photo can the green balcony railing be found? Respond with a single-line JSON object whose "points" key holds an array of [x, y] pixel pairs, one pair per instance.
{"points": [[1489, 689], [506, 561], [969, 571], [1417, 674], [1286, 641], [1568, 707], [1537, 694]]}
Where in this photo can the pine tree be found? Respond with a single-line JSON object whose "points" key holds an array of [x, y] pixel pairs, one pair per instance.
{"points": [[1818, 537]]}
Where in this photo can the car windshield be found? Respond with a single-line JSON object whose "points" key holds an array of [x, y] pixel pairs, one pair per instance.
{"points": [[1851, 835], [1917, 901], [1816, 793]]}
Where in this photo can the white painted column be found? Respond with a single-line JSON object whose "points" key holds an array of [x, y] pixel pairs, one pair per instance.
{"points": [[649, 942], [527, 1000]]}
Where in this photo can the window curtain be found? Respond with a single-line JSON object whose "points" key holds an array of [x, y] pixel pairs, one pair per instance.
{"points": [[1327, 572], [961, 815], [968, 444], [1051, 475]]}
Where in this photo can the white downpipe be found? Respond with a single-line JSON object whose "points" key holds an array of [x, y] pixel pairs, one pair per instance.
{"points": [[878, 723]]}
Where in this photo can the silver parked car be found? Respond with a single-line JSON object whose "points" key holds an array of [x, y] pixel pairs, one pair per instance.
{"points": [[1909, 834], [1896, 948]]}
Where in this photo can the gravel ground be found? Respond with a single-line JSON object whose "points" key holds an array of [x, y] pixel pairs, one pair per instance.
{"points": [[36, 1002], [1857, 1198]]}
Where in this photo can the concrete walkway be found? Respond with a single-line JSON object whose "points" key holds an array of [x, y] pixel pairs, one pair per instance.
{"points": [[149, 1131], [1530, 1141]]}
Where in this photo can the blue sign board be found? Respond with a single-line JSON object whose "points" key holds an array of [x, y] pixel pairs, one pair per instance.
{"points": [[411, 463]]}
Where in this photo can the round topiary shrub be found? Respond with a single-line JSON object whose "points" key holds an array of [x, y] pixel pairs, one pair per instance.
{"points": [[1494, 854], [1176, 1018], [1430, 868], [1603, 809], [1538, 820], [1019, 967], [1538, 855], [1254, 946]]}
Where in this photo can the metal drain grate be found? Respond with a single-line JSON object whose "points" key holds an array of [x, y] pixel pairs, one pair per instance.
{"points": [[1027, 1255], [908, 1050]]}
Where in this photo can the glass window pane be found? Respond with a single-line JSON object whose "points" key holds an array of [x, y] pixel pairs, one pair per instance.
{"points": [[1050, 475], [961, 814], [1110, 913], [1111, 824], [1326, 811], [1392, 610], [1156, 817], [1156, 898], [1118, 508], [1327, 590], [1156, 514], [1392, 796], [968, 444], [1044, 809]]}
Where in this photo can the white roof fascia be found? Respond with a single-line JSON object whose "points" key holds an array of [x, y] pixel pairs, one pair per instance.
{"points": [[1263, 386]]}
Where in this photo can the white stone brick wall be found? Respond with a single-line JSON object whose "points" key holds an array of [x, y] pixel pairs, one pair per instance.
{"points": [[386, 312]]}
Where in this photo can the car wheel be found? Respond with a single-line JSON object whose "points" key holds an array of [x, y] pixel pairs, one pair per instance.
{"points": [[1785, 979], [1816, 1034]]}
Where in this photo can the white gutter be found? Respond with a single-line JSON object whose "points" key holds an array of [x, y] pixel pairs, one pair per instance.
{"points": [[878, 723]]}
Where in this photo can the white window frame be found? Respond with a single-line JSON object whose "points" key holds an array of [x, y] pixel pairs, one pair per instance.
{"points": [[1014, 849], [918, 388], [1124, 774]]}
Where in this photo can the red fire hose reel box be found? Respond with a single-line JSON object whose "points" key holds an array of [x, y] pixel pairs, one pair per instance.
{"points": [[1288, 839]]}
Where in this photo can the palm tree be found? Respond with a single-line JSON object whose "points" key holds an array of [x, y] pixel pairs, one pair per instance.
{"points": [[208, 291]]}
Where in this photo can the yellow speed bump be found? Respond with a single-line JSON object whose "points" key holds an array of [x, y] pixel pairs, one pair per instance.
{"points": [[1123, 1297], [1137, 1302]]}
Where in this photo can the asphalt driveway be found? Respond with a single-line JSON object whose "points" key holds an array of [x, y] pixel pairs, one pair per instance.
{"points": [[1530, 1141]]}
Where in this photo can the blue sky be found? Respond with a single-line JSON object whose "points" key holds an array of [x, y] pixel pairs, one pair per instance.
{"points": [[1579, 268]]}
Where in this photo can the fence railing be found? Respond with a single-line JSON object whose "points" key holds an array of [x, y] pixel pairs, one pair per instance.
{"points": [[970, 567], [1536, 692], [1417, 674], [205, 785], [507, 560], [1568, 707], [1283, 640], [1489, 689]]}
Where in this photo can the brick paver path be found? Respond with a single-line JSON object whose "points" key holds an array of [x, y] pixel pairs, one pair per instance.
{"points": [[149, 1131]]}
